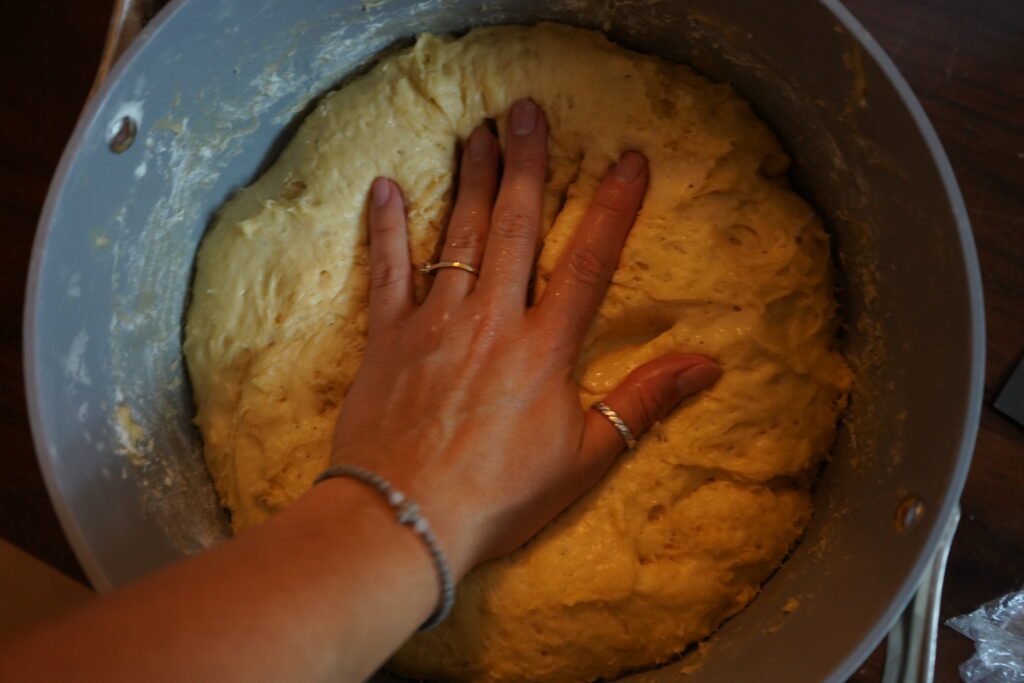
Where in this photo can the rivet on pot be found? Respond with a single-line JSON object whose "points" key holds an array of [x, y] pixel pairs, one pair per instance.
{"points": [[908, 514], [122, 134]]}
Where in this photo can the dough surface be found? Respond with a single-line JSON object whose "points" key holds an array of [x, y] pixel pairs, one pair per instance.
{"points": [[724, 260]]}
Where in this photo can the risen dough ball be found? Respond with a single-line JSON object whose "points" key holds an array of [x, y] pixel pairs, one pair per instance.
{"points": [[723, 260]]}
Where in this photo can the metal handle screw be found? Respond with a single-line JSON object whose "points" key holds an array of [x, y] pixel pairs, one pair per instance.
{"points": [[908, 513], [122, 134]]}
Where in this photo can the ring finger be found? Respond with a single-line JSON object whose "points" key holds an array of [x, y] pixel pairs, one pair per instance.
{"points": [[467, 229]]}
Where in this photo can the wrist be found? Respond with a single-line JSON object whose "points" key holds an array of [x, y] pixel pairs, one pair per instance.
{"points": [[446, 515], [388, 510]]}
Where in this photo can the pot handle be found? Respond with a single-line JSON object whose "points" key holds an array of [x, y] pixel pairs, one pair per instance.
{"points": [[126, 22], [910, 646]]}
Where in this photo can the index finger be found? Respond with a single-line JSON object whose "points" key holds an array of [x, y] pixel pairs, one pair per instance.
{"points": [[585, 268]]}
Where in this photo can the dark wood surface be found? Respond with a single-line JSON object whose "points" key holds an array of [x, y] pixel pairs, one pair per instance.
{"points": [[963, 59]]}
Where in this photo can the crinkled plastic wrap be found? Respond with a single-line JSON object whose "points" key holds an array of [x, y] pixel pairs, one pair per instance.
{"points": [[997, 628]]}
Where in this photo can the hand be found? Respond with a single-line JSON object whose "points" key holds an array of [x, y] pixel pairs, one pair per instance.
{"points": [[467, 401]]}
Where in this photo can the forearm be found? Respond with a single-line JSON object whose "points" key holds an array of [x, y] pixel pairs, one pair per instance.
{"points": [[325, 590]]}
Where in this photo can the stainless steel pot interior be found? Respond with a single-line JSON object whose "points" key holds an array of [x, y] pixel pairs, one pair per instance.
{"points": [[215, 87]]}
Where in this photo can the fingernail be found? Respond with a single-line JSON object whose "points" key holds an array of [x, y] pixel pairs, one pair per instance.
{"points": [[524, 117], [479, 143], [692, 380], [381, 191], [629, 167]]}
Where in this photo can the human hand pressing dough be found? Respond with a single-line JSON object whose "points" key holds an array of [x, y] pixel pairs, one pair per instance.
{"points": [[467, 402]]}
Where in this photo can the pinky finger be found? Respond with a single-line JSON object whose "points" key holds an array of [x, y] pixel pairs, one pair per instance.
{"points": [[644, 397], [391, 286]]}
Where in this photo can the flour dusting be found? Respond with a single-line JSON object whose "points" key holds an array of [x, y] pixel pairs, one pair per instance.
{"points": [[74, 361]]}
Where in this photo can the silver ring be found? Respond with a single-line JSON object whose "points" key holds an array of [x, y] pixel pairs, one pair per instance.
{"points": [[618, 423], [427, 268]]}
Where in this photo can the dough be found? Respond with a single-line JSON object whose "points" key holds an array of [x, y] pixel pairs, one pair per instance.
{"points": [[724, 259]]}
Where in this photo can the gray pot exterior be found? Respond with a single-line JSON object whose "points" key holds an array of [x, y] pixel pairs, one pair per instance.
{"points": [[216, 87]]}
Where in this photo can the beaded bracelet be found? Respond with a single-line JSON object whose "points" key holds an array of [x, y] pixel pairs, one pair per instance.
{"points": [[408, 514]]}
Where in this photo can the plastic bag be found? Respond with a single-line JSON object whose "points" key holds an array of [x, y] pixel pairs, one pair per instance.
{"points": [[997, 629]]}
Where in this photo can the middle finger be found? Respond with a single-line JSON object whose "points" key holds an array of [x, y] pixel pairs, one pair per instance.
{"points": [[515, 221]]}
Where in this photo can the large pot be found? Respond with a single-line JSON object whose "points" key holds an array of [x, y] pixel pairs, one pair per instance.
{"points": [[205, 99]]}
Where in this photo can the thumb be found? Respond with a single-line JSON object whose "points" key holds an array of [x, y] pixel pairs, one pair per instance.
{"points": [[644, 397]]}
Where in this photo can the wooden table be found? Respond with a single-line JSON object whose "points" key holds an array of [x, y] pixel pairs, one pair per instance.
{"points": [[963, 59]]}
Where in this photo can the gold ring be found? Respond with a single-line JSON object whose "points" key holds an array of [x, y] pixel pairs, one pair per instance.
{"points": [[624, 431], [427, 268]]}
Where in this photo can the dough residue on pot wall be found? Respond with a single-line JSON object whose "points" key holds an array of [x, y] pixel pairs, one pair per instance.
{"points": [[723, 260]]}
